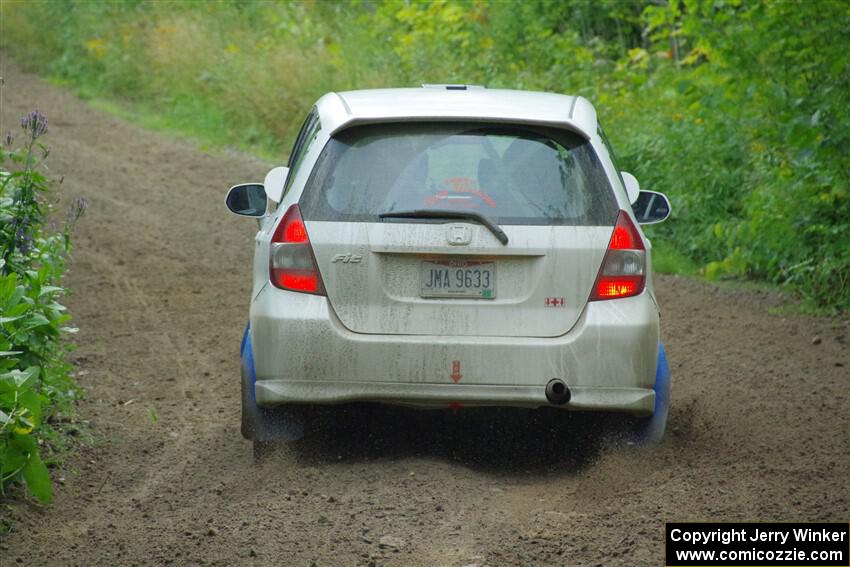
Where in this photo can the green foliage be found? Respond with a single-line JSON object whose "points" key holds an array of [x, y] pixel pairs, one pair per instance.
{"points": [[667, 260], [34, 382], [739, 110], [759, 129]]}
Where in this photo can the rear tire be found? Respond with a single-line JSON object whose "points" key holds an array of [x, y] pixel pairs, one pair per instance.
{"points": [[649, 431], [265, 425], [269, 424], [645, 432]]}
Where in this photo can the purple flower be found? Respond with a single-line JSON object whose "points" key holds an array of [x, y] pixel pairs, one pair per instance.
{"points": [[78, 207], [23, 239], [35, 124]]}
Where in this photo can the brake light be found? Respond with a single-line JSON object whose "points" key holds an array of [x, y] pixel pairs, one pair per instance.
{"points": [[292, 265], [294, 231], [623, 272]]}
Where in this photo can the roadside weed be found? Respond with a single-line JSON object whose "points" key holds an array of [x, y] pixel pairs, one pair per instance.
{"points": [[35, 386]]}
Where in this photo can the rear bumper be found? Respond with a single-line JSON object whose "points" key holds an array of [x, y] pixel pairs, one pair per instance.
{"points": [[303, 354], [270, 392]]}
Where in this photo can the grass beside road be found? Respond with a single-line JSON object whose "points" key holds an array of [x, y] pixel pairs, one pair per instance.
{"points": [[204, 126]]}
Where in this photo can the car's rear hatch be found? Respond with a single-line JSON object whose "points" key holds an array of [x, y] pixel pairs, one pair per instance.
{"points": [[540, 280], [385, 273]]}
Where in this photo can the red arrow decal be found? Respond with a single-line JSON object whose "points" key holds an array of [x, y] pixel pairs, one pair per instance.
{"points": [[456, 375]]}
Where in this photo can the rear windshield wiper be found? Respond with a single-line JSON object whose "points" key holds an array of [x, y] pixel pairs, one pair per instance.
{"points": [[441, 214]]}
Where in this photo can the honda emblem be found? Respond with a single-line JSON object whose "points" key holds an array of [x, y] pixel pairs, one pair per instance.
{"points": [[459, 235]]}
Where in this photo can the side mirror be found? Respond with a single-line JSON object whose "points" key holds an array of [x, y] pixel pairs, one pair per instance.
{"points": [[275, 182], [247, 200], [651, 207], [632, 186]]}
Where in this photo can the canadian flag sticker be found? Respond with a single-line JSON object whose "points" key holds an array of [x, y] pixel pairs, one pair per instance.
{"points": [[555, 302]]}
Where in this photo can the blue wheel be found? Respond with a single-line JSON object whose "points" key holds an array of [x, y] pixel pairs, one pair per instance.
{"points": [[265, 425], [649, 431]]}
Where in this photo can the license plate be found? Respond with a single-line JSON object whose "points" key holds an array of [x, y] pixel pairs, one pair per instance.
{"points": [[458, 278]]}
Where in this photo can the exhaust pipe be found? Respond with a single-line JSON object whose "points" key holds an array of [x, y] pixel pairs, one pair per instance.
{"points": [[557, 392]]}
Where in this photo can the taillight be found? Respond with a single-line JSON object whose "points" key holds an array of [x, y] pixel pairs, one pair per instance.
{"points": [[623, 272], [292, 264]]}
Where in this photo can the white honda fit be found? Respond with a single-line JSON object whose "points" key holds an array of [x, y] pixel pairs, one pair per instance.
{"points": [[451, 246]]}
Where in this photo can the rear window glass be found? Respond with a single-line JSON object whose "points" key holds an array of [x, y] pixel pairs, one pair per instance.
{"points": [[511, 174]]}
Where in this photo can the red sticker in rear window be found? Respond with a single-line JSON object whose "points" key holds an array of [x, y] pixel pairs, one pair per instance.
{"points": [[555, 302]]}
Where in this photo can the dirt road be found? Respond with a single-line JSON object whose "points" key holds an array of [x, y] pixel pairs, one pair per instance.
{"points": [[760, 421]]}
